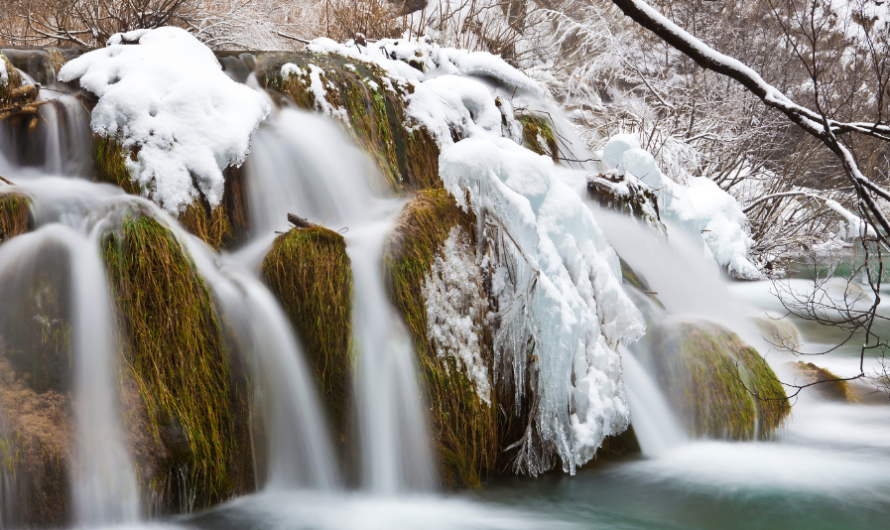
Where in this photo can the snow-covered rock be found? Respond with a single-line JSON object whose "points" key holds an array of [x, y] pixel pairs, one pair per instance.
{"points": [[163, 95], [701, 207], [578, 313]]}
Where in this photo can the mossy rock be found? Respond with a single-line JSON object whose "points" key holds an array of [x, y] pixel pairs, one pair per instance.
{"points": [[613, 191], [537, 136], [310, 273], [219, 227], [36, 419], [721, 387], [15, 215], [193, 404], [827, 384], [466, 428], [778, 331], [372, 108]]}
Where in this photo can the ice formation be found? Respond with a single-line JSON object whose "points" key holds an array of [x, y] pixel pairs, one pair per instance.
{"points": [[4, 76], [579, 313], [455, 307], [163, 95], [701, 207]]}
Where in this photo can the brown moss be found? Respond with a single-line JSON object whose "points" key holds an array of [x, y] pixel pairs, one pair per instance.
{"points": [[827, 387], [175, 358], [408, 157], [310, 273], [465, 428], [14, 81], [15, 215], [720, 385]]}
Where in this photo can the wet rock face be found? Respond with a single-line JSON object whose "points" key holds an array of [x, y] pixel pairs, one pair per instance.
{"points": [[721, 386]]}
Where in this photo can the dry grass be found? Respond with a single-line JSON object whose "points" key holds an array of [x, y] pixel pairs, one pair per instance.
{"points": [[15, 215]]}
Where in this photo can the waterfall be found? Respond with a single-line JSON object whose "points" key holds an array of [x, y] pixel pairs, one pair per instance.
{"points": [[654, 424], [303, 164], [104, 483]]}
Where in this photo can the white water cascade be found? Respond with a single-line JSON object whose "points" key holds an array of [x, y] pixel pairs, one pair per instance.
{"points": [[303, 164], [654, 424], [104, 483]]}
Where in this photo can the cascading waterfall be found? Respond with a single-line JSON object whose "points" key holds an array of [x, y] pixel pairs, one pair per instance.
{"points": [[654, 425], [104, 484], [303, 164]]}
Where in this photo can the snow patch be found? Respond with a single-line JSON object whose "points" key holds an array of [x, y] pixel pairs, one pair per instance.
{"points": [[165, 97], [455, 308]]}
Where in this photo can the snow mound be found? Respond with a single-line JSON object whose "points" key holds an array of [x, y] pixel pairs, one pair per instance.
{"points": [[702, 207], [164, 96], [578, 312]]}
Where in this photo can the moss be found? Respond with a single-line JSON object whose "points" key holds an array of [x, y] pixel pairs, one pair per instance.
{"points": [[111, 164], [310, 273], [15, 215], [779, 332], [465, 427], [720, 385], [407, 157], [830, 389], [537, 135], [174, 351]]}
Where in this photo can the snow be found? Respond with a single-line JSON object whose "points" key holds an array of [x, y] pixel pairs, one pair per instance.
{"points": [[455, 308], [4, 76], [579, 313], [167, 100], [701, 207]]}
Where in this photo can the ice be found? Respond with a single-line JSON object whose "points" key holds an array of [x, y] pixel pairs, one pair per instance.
{"points": [[165, 98], [579, 313], [701, 208]]}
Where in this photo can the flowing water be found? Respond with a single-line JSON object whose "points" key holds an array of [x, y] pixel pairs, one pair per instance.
{"points": [[830, 468]]}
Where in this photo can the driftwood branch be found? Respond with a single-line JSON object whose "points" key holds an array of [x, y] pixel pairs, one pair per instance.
{"points": [[6, 180], [300, 222]]}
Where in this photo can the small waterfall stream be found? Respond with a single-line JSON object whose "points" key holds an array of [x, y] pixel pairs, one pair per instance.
{"points": [[303, 164]]}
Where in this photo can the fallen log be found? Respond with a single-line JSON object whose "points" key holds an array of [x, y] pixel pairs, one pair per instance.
{"points": [[300, 222]]}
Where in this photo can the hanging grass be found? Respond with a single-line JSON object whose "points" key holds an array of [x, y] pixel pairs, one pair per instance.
{"points": [[15, 215], [464, 426], [408, 157], [310, 273], [174, 352], [722, 387], [14, 81]]}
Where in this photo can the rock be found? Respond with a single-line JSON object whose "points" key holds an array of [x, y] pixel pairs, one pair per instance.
{"points": [[778, 331], [721, 386], [310, 273]]}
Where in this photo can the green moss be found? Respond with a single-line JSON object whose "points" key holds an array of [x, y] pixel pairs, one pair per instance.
{"points": [[173, 348], [111, 165], [310, 273], [465, 427], [537, 135], [637, 202], [407, 157], [15, 215], [720, 385]]}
